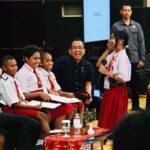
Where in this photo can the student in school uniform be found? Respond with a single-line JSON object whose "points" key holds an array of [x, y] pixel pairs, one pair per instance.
{"points": [[50, 80], [49, 77], [33, 85], [22, 127], [118, 71], [12, 99]]}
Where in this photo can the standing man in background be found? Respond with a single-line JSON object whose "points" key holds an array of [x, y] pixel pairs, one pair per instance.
{"points": [[136, 49]]}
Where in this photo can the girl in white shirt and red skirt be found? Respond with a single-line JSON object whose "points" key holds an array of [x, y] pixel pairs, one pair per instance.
{"points": [[117, 72]]}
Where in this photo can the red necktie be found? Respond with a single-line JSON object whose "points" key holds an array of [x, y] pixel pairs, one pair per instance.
{"points": [[51, 83], [112, 61], [17, 90], [38, 79]]}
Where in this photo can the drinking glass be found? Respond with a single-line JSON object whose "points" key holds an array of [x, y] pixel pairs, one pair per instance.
{"points": [[66, 127]]}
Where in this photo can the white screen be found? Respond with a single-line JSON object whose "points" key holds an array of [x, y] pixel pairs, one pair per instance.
{"points": [[96, 20]]}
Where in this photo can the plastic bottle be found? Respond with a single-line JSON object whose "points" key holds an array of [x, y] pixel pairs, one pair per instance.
{"points": [[76, 125]]}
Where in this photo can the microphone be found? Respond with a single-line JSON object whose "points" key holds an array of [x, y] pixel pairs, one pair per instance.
{"points": [[104, 62]]}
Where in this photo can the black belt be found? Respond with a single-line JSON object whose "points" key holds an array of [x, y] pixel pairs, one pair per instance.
{"points": [[116, 84]]}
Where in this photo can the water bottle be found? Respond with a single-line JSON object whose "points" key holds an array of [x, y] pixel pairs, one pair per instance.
{"points": [[76, 125]]}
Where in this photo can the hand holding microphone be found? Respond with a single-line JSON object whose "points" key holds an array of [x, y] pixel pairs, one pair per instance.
{"points": [[102, 67]]}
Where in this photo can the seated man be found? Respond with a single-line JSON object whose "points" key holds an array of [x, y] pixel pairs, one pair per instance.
{"points": [[19, 132], [75, 74]]}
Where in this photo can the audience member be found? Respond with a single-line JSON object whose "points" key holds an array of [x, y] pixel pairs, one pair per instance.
{"points": [[136, 49], [12, 100], [132, 133], [49, 77], [14, 129], [18, 132], [50, 80], [75, 74], [33, 85], [118, 71]]}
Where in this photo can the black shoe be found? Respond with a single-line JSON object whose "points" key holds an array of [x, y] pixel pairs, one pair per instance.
{"points": [[137, 108]]}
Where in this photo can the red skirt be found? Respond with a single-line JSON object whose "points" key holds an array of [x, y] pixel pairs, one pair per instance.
{"points": [[113, 106], [61, 111], [55, 113], [78, 106], [19, 111]]}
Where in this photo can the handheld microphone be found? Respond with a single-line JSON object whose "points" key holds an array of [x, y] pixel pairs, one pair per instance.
{"points": [[104, 62]]}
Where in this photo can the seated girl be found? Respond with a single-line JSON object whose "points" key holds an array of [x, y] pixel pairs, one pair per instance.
{"points": [[33, 85]]}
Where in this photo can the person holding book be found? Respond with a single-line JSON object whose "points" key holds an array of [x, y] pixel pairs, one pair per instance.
{"points": [[12, 99], [33, 85], [49, 77], [50, 81]]}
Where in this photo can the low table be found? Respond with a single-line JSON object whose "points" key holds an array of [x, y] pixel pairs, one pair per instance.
{"points": [[58, 142]]}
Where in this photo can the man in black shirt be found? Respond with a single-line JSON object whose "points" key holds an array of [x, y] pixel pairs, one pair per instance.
{"points": [[75, 74]]}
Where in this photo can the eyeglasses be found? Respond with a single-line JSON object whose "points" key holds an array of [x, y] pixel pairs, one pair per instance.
{"points": [[80, 48]]}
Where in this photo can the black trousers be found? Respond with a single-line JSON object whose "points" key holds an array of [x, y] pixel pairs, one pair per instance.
{"points": [[134, 85], [20, 132]]}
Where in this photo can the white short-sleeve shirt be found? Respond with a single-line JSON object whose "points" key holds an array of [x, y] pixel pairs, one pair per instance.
{"points": [[120, 66], [28, 80], [8, 90], [45, 75]]}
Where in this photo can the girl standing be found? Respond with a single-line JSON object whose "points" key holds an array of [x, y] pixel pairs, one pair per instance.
{"points": [[118, 71]]}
